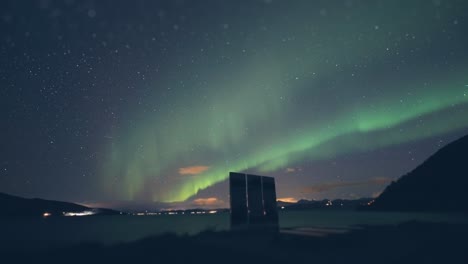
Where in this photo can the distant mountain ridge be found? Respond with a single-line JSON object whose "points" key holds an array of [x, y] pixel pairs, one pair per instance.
{"points": [[324, 204], [14, 206], [439, 184]]}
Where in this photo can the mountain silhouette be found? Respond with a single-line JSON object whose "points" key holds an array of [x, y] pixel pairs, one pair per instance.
{"points": [[439, 184], [14, 206]]}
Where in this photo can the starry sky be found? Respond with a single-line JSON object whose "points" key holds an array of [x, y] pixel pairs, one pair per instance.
{"points": [[152, 103]]}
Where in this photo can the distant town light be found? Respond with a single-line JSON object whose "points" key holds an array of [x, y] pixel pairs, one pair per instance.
{"points": [[84, 213], [46, 214]]}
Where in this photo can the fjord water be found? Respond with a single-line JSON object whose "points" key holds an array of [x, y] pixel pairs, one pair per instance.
{"points": [[121, 228]]}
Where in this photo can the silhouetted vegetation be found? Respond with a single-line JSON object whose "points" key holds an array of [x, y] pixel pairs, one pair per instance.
{"points": [[411, 242]]}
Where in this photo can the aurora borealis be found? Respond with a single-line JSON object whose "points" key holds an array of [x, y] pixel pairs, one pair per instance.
{"points": [[157, 101]]}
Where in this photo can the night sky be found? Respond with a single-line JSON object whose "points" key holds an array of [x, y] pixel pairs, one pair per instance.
{"points": [[131, 103]]}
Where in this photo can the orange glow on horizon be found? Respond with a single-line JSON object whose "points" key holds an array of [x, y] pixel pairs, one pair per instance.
{"points": [[287, 200], [207, 201]]}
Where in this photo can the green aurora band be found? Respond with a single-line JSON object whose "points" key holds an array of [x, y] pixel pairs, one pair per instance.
{"points": [[350, 132], [272, 106]]}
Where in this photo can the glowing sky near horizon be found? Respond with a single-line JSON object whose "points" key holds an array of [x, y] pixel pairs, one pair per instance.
{"points": [[159, 103]]}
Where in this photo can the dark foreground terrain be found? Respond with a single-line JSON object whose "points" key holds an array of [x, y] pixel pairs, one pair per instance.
{"points": [[411, 242]]}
